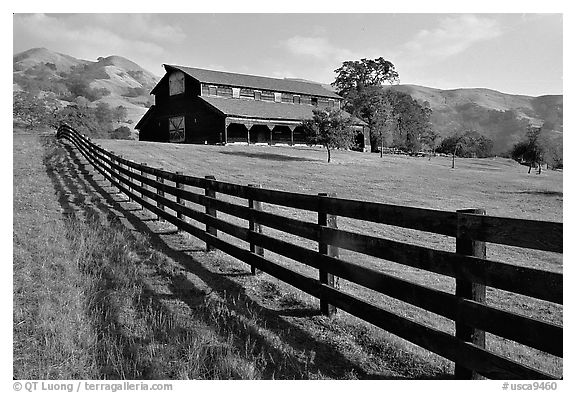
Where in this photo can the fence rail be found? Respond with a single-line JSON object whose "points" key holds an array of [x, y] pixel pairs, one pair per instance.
{"points": [[149, 187]]}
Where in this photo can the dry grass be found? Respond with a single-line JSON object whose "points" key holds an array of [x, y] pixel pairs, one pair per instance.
{"points": [[100, 294], [103, 291], [83, 307], [500, 186]]}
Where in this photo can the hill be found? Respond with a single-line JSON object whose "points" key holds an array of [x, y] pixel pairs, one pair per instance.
{"points": [[499, 116], [114, 80], [37, 56]]}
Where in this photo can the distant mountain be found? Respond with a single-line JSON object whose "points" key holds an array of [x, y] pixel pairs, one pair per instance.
{"points": [[499, 116], [114, 79]]}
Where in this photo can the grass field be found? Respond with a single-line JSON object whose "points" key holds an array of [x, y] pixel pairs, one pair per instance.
{"points": [[500, 186], [120, 295]]}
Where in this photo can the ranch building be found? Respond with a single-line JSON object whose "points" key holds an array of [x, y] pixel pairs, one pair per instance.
{"points": [[193, 105]]}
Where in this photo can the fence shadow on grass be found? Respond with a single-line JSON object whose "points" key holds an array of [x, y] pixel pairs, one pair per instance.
{"points": [[79, 192]]}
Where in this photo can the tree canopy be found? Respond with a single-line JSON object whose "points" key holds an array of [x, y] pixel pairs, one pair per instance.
{"points": [[536, 149], [329, 128], [34, 110], [469, 143], [353, 75]]}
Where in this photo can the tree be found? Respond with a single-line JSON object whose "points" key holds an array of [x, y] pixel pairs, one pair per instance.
{"points": [[360, 82], [429, 138], [329, 128], [103, 113], [353, 75], [412, 120], [381, 121], [452, 144], [531, 150], [122, 132], [82, 119], [373, 105], [34, 110], [468, 143], [120, 113], [553, 155]]}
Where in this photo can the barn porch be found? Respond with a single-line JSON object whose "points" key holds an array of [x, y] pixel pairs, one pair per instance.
{"points": [[263, 131]]}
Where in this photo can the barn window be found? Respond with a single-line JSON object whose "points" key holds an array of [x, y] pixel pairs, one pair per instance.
{"points": [[277, 97], [314, 101], [205, 90], [224, 91], [257, 95], [247, 93], [176, 83], [235, 92], [296, 99], [267, 96], [177, 129], [212, 90]]}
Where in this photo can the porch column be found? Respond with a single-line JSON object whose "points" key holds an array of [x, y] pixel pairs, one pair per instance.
{"points": [[270, 127], [248, 127], [227, 122], [292, 128]]}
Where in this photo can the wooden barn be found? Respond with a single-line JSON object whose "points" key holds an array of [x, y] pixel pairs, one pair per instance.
{"points": [[194, 105]]}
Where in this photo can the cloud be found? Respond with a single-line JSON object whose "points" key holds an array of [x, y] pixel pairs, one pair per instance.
{"points": [[321, 49], [133, 26], [136, 36], [315, 47], [453, 36]]}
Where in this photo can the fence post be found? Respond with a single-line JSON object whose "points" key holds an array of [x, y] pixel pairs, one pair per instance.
{"points": [[254, 226], [179, 200], [327, 220], [111, 171], [142, 184], [209, 192], [160, 193], [469, 290], [129, 178]]}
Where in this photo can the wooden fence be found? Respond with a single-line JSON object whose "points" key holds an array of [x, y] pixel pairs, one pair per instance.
{"points": [[469, 267]]}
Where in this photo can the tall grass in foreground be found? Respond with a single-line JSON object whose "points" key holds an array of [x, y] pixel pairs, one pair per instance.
{"points": [[90, 315], [83, 309]]}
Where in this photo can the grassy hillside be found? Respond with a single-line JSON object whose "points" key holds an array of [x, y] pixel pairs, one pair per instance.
{"points": [[114, 80], [499, 116]]}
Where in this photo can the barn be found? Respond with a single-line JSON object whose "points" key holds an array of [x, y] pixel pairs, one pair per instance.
{"points": [[193, 105]]}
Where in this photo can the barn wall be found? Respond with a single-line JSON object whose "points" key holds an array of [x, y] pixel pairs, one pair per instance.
{"points": [[155, 130], [203, 124]]}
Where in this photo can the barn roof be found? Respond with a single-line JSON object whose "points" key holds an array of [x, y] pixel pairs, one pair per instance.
{"points": [[255, 82], [147, 116], [264, 109]]}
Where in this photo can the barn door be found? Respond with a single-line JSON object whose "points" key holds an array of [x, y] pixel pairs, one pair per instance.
{"points": [[177, 129]]}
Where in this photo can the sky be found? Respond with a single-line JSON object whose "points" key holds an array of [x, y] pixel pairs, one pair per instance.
{"points": [[516, 53]]}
